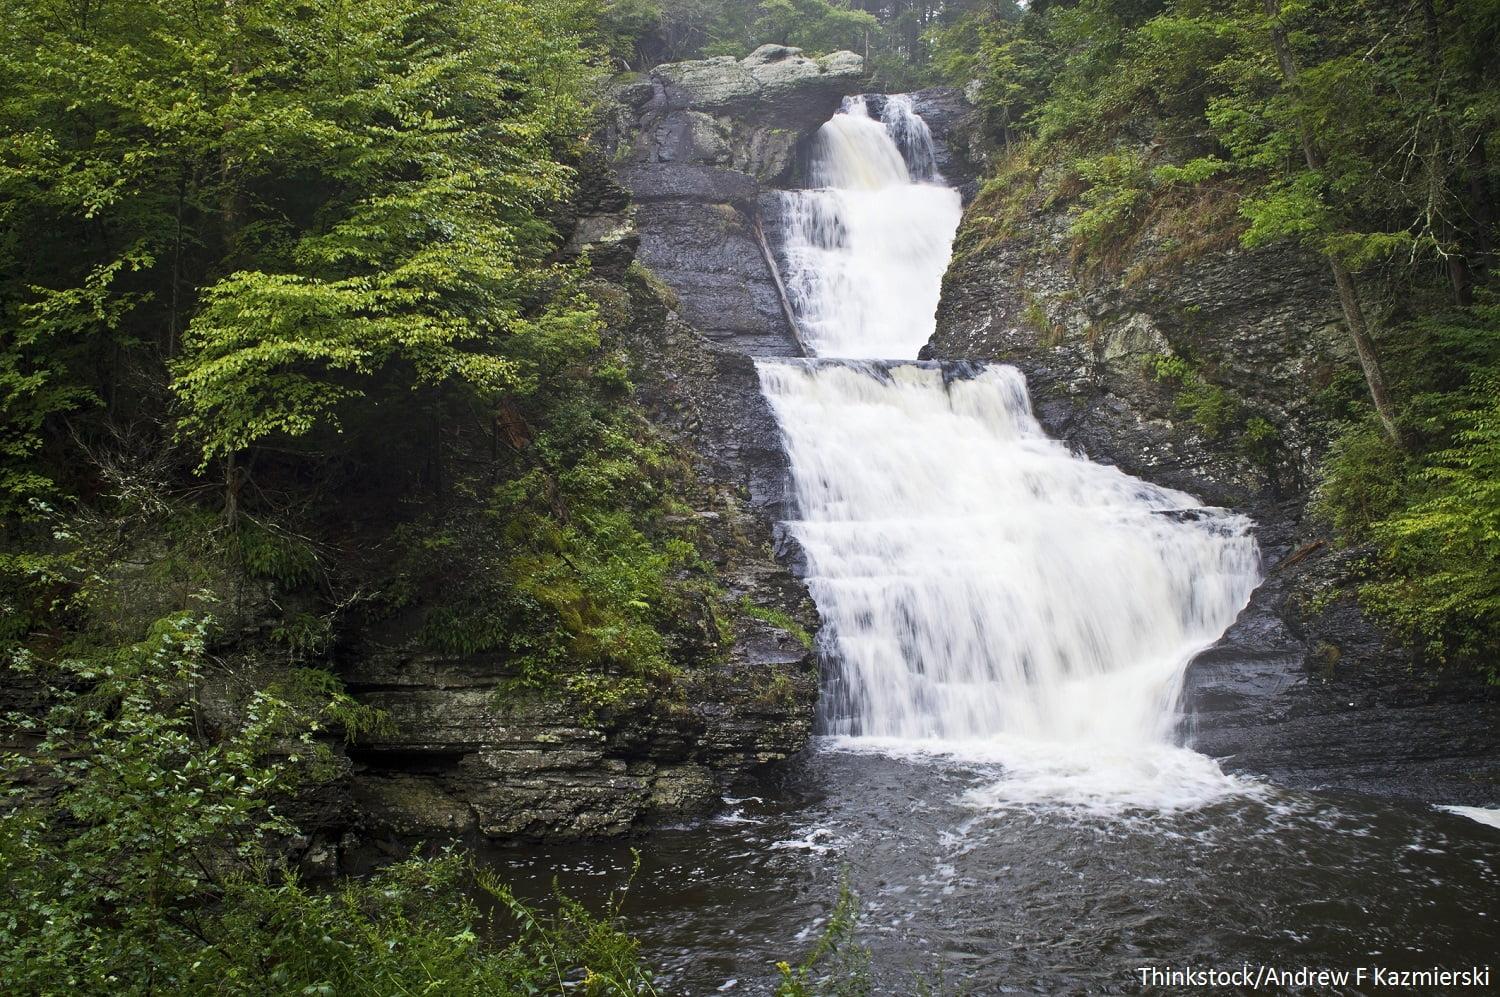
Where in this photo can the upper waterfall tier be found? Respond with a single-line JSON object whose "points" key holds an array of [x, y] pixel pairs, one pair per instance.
{"points": [[866, 248]]}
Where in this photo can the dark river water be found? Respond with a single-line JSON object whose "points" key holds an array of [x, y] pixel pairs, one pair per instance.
{"points": [[968, 898]]}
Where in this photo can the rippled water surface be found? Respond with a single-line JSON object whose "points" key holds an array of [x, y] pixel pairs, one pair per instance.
{"points": [[1033, 899]]}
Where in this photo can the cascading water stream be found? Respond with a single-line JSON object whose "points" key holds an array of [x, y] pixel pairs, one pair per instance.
{"points": [[986, 592], [866, 248], [1006, 630]]}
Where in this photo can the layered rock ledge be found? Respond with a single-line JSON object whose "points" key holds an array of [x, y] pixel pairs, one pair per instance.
{"points": [[702, 147]]}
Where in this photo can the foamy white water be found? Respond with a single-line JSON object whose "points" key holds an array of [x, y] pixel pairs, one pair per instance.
{"points": [[987, 594], [1489, 816], [867, 247], [991, 595]]}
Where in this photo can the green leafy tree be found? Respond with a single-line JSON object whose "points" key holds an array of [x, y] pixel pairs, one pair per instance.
{"points": [[292, 208]]}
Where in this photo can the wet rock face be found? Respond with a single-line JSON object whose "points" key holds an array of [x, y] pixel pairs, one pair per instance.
{"points": [[1303, 687], [1264, 324], [1315, 697], [465, 755], [701, 146]]}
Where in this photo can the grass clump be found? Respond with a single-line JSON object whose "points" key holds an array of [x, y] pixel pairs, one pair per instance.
{"points": [[777, 619]]}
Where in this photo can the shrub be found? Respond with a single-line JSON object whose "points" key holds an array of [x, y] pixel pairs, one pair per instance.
{"points": [[138, 845]]}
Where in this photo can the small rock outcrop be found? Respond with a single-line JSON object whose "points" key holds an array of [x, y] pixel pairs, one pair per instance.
{"points": [[1202, 371]]}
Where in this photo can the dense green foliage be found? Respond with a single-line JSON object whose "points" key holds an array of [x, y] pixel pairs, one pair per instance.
{"points": [[142, 859], [1361, 131], [270, 253], [289, 208], [1430, 519], [242, 229], [288, 345]]}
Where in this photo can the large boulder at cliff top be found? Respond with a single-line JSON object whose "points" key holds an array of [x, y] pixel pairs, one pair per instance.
{"points": [[773, 83]]}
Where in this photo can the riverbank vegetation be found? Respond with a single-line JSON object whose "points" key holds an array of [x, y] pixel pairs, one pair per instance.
{"points": [[152, 866], [1365, 133], [288, 344]]}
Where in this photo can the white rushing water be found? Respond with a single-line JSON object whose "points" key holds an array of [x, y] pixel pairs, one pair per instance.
{"points": [[867, 246], [1488, 816], [986, 592]]}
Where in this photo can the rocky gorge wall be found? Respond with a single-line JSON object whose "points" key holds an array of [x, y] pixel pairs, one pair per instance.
{"points": [[701, 146], [467, 754], [1205, 371]]}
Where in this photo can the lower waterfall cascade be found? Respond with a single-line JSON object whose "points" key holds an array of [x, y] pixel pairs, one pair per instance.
{"points": [[984, 590]]}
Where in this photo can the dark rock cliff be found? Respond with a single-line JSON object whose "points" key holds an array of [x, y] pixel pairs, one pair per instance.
{"points": [[1303, 687], [701, 146]]}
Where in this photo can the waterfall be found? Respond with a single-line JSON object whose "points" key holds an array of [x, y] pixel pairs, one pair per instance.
{"points": [[985, 591], [866, 248], [912, 137]]}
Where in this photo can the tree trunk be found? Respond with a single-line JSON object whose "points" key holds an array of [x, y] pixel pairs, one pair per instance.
{"points": [[1369, 359], [435, 454], [1354, 316], [232, 482], [1479, 199], [174, 334]]}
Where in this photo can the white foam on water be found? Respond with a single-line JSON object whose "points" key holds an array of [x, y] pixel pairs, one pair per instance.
{"points": [[1489, 816]]}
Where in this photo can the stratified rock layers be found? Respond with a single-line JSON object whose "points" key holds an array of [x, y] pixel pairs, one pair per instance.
{"points": [[702, 147]]}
